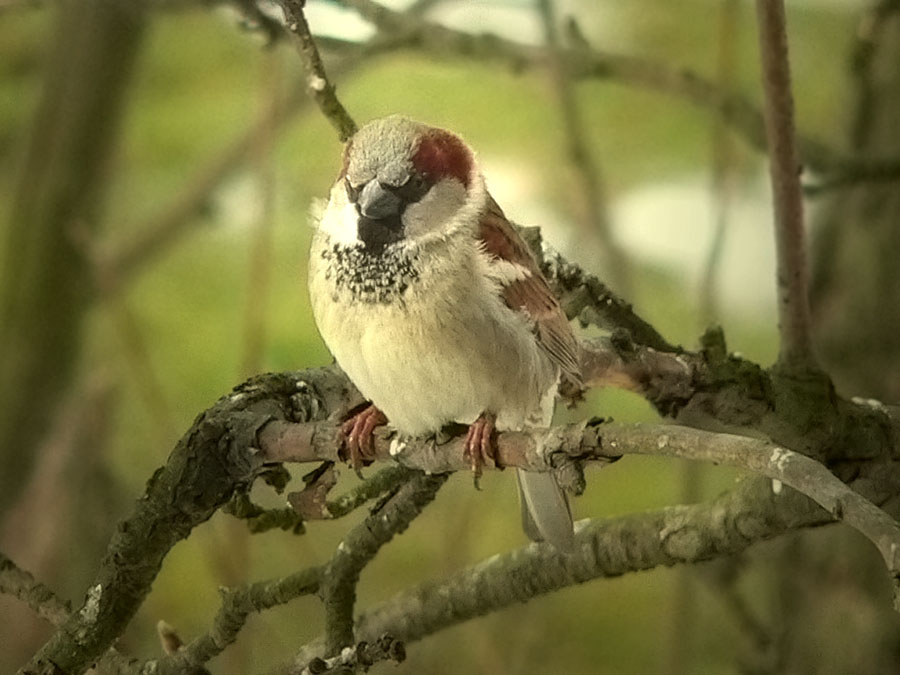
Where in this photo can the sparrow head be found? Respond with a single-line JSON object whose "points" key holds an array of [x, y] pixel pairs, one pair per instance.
{"points": [[403, 181]]}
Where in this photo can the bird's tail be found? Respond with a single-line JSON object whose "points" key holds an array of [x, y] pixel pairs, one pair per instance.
{"points": [[545, 510]]}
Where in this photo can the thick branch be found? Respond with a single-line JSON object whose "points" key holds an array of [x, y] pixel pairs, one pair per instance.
{"points": [[215, 458], [558, 448], [587, 298], [784, 166], [212, 460], [22, 585]]}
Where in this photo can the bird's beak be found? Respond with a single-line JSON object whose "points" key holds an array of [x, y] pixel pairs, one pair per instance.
{"points": [[377, 203]]}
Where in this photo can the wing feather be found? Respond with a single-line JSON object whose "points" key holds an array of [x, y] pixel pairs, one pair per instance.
{"points": [[528, 292]]}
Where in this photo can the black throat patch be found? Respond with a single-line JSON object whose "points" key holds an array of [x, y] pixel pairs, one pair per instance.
{"points": [[377, 234], [370, 277]]}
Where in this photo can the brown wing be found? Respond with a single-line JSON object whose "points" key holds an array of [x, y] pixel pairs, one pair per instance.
{"points": [[531, 294]]}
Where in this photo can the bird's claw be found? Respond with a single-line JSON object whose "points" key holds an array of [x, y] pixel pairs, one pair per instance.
{"points": [[481, 446], [359, 442]]}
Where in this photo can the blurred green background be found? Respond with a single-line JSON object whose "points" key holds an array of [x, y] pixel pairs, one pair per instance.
{"points": [[201, 314]]}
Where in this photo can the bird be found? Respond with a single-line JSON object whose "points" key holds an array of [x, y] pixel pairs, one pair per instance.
{"points": [[435, 308]]}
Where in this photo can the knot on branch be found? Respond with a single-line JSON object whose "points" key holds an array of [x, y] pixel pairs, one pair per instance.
{"points": [[219, 453], [360, 658]]}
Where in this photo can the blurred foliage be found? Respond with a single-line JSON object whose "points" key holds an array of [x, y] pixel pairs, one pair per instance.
{"points": [[199, 85]]}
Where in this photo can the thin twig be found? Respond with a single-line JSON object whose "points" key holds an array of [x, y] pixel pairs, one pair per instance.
{"points": [[47, 605], [723, 173], [138, 360], [120, 262], [262, 520], [260, 262], [237, 605], [360, 546], [321, 89], [784, 166], [382, 482], [594, 216], [20, 584], [739, 113]]}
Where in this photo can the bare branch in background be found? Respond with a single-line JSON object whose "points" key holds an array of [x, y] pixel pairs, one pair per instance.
{"points": [[260, 260], [321, 89], [593, 215], [293, 417], [120, 262], [723, 157], [790, 244], [868, 38], [143, 375], [583, 63]]}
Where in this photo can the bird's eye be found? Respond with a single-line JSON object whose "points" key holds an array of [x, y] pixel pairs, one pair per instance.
{"points": [[352, 192], [412, 190]]}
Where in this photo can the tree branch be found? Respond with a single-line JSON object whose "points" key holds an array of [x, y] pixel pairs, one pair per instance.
{"points": [[750, 513], [211, 461], [793, 293], [594, 216], [119, 262], [216, 457], [360, 546], [20, 584], [563, 449], [583, 63], [237, 605], [321, 89], [588, 299]]}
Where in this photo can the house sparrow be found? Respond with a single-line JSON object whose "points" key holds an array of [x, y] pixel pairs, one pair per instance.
{"points": [[435, 308]]}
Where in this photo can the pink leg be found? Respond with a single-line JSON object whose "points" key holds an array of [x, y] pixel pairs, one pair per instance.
{"points": [[481, 446], [358, 441]]}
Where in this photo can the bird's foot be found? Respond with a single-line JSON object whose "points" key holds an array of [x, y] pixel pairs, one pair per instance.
{"points": [[358, 441], [481, 445]]}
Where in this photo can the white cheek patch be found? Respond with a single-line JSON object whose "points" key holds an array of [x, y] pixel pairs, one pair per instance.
{"points": [[435, 210], [339, 219]]}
